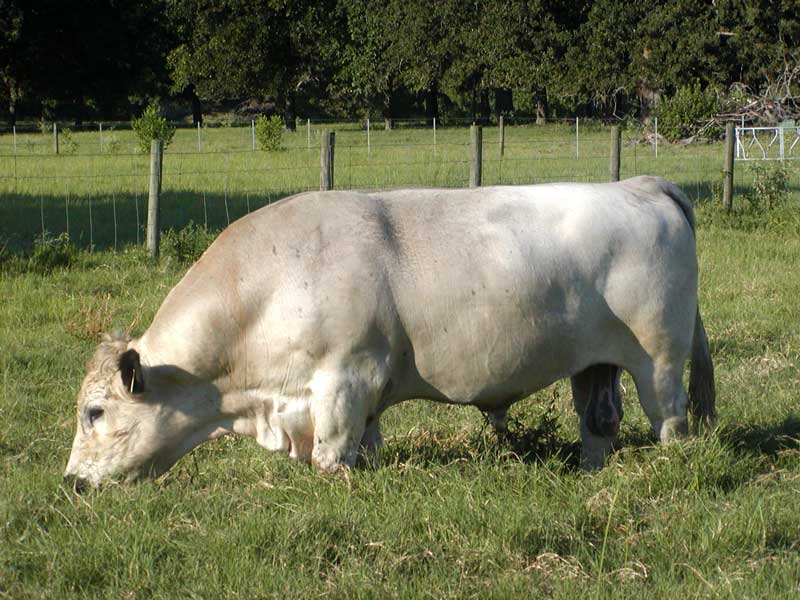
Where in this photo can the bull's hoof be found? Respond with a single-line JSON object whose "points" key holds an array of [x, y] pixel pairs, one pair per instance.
{"points": [[593, 460], [673, 428], [330, 461]]}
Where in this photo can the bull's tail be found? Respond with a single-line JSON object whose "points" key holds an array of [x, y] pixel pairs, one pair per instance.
{"points": [[702, 392]]}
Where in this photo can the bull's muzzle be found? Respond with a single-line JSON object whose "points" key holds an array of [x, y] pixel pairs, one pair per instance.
{"points": [[75, 483]]}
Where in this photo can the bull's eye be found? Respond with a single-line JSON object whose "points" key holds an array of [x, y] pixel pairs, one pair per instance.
{"points": [[93, 414]]}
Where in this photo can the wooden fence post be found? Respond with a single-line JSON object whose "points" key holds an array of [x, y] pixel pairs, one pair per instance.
{"points": [[727, 171], [616, 142], [55, 138], [476, 155], [156, 162], [326, 160], [502, 137]]}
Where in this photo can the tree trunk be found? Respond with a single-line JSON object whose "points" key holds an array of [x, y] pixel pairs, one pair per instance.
{"points": [[79, 108], [197, 109], [387, 112], [432, 101], [12, 104], [474, 105], [541, 107], [486, 110], [503, 101], [290, 118]]}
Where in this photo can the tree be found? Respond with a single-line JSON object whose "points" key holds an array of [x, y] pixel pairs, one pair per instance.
{"points": [[244, 48], [524, 43], [370, 69], [77, 58], [677, 45], [12, 67], [598, 62], [761, 38]]}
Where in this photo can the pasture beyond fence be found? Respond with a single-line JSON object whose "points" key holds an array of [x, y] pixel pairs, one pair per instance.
{"points": [[94, 185]]}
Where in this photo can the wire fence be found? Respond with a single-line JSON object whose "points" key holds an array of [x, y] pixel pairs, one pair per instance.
{"points": [[99, 198]]}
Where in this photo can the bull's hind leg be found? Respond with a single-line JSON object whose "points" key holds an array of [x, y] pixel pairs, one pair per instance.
{"points": [[663, 398], [598, 402]]}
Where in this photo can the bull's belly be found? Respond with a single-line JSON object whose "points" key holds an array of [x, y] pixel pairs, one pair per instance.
{"points": [[496, 371]]}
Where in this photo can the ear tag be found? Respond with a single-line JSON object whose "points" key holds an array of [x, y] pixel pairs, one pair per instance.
{"points": [[133, 380]]}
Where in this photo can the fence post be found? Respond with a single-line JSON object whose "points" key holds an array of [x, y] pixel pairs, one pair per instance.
{"points": [[326, 160], [577, 139], [616, 142], [101, 138], [156, 162], [369, 150], [55, 138], [434, 136], [655, 136], [14, 129], [199, 143], [727, 171], [252, 135], [502, 137], [308, 132], [476, 152]]}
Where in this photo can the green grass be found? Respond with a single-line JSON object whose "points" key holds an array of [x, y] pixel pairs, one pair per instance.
{"points": [[453, 511]]}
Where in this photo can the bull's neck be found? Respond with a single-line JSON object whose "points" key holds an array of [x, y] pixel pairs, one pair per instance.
{"points": [[216, 404]]}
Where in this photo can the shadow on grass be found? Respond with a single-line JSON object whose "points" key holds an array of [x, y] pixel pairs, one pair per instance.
{"points": [[765, 439], [526, 442], [541, 442], [108, 221]]}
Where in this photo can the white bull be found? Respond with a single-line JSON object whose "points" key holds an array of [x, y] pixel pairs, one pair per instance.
{"points": [[307, 319]]}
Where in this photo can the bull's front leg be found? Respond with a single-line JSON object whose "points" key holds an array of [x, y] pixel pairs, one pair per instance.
{"points": [[371, 442], [339, 410], [598, 402]]}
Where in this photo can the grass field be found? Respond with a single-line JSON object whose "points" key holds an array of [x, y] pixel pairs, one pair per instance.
{"points": [[101, 199], [452, 512]]}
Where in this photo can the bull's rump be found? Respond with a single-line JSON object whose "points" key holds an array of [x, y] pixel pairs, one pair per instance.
{"points": [[474, 296]]}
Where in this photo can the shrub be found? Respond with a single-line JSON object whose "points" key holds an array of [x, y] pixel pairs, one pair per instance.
{"points": [[51, 253], [188, 244], [152, 126], [687, 111], [269, 132], [67, 143], [770, 187], [111, 144]]}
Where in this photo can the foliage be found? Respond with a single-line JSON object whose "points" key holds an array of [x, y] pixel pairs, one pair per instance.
{"points": [[770, 186], [80, 60], [252, 48], [67, 143], [187, 244], [51, 253], [593, 58], [269, 131], [152, 126], [687, 111], [111, 144]]}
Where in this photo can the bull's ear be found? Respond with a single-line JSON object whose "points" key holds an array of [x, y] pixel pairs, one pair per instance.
{"points": [[131, 370]]}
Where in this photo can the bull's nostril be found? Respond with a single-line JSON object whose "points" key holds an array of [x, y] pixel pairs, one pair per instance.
{"points": [[75, 483]]}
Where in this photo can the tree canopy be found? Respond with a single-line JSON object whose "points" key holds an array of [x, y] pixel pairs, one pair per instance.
{"points": [[90, 59]]}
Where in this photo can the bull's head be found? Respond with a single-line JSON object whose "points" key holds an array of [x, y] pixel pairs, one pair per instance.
{"points": [[129, 424]]}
